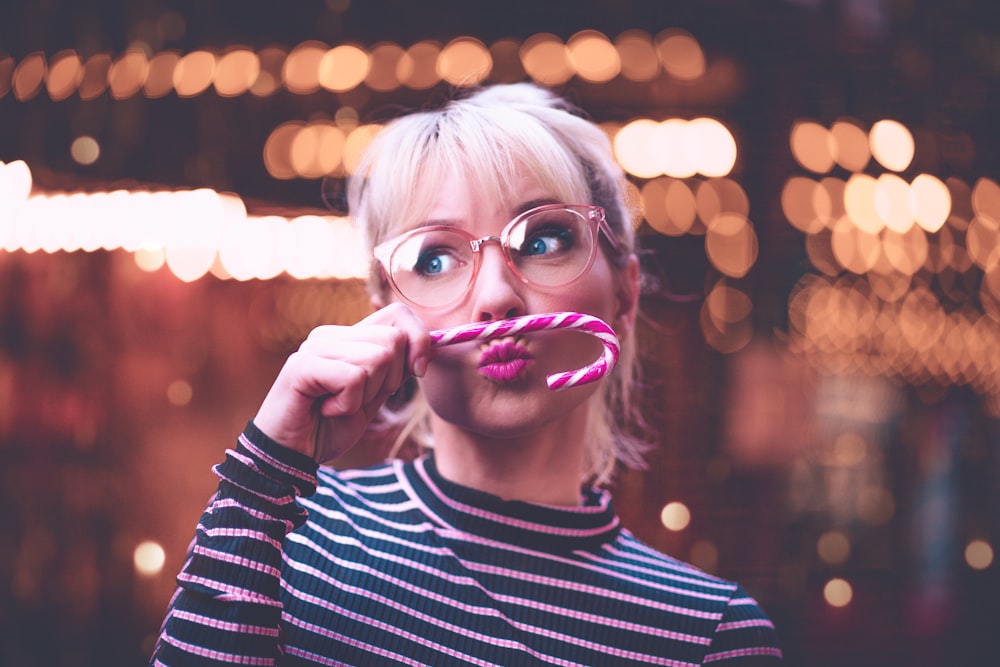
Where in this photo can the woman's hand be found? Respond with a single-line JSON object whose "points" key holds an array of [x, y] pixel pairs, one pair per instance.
{"points": [[330, 389]]}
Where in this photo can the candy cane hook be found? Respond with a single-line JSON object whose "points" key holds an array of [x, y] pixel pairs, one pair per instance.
{"points": [[527, 323]]}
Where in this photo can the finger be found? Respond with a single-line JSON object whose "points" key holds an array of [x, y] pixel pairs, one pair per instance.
{"points": [[387, 334], [418, 340], [346, 403], [382, 361], [324, 379]]}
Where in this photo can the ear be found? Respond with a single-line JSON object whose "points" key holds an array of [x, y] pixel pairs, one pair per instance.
{"points": [[378, 288], [627, 295]]}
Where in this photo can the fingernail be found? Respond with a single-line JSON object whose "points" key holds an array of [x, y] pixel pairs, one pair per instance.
{"points": [[420, 367]]}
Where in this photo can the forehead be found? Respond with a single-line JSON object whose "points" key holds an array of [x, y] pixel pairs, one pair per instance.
{"points": [[464, 195]]}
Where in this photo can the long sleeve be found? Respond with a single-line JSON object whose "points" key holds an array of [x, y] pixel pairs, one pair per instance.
{"points": [[227, 607], [745, 637]]}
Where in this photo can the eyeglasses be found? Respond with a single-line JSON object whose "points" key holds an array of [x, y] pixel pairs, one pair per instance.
{"points": [[548, 246]]}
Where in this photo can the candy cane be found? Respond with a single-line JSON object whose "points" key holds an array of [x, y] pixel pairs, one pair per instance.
{"points": [[527, 323]]}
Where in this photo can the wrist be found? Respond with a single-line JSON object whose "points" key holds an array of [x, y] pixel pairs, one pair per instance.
{"points": [[278, 462]]}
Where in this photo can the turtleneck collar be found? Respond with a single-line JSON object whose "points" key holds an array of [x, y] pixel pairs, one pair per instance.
{"points": [[548, 528]]}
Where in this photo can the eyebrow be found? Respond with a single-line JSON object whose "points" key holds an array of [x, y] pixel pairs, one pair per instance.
{"points": [[534, 203]]}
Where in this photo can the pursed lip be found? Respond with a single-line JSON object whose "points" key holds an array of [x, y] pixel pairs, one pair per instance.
{"points": [[504, 361]]}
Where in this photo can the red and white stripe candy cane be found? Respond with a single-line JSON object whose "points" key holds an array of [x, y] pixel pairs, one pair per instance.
{"points": [[527, 323]]}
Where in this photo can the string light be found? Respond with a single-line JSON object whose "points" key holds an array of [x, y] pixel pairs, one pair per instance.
{"points": [[675, 147], [310, 66], [187, 231], [913, 245], [884, 228]]}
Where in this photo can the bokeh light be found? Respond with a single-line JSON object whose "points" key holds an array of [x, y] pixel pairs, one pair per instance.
{"points": [[180, 393], [850, 142], [731, 244], [29, 75], [383, 72], [95, 76], [343, 67], [417, 68], [638, 55], [705, 555], [128, 74], [675, 147], [464, 61], [891, 144], [545, 60], [812, 146], [301, 69], [680, 54], [64, 76], [593, 56], [85, 150], [236, 71], [675, 516], [978, 554], [193, 73], [838, 592], [833, 547], [160, 74], [149, 558]]}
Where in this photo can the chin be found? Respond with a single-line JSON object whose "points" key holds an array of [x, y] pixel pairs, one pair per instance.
{"points": [[508, 410]]}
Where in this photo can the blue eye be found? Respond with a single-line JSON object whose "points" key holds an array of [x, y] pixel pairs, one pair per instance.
{"points": [[548, 241], [435, 262]]}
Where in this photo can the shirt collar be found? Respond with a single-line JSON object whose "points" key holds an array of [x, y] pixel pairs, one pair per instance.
{"points": [[550, 528]]}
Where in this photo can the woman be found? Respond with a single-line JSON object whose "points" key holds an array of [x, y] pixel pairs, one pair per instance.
{"points": [[498, 547]]}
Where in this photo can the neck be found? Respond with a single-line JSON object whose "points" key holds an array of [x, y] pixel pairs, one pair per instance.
{"points": [[543, 467]]}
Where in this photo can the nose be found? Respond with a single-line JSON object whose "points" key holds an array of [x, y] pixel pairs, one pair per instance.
{"points": [[497, 293]]}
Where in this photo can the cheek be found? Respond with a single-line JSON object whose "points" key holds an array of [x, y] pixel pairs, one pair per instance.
{"points": [[447, 376], [593, 294]]}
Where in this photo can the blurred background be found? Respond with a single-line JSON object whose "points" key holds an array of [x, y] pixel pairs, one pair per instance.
{"points": [[815, 185]]}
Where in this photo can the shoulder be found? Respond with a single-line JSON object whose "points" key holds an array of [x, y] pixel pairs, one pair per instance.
{"points": [[629, 551], [745, 635], [740, 631]]}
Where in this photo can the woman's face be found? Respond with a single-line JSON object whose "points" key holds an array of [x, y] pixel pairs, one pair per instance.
{"points": [[498, 388]]}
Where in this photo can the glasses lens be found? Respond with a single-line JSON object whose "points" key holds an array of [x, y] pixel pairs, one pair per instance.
{"points": [[432, 268], [552, 247]]}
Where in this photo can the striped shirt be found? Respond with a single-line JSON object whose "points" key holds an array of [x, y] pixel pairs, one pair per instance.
{"points": [[298, 565]]}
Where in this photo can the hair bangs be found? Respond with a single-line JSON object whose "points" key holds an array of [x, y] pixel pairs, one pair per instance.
{"points": [[488, 147], [493, 147]]}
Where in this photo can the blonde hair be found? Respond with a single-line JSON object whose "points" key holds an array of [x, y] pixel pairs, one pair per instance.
{"points": [[492, 135]]}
